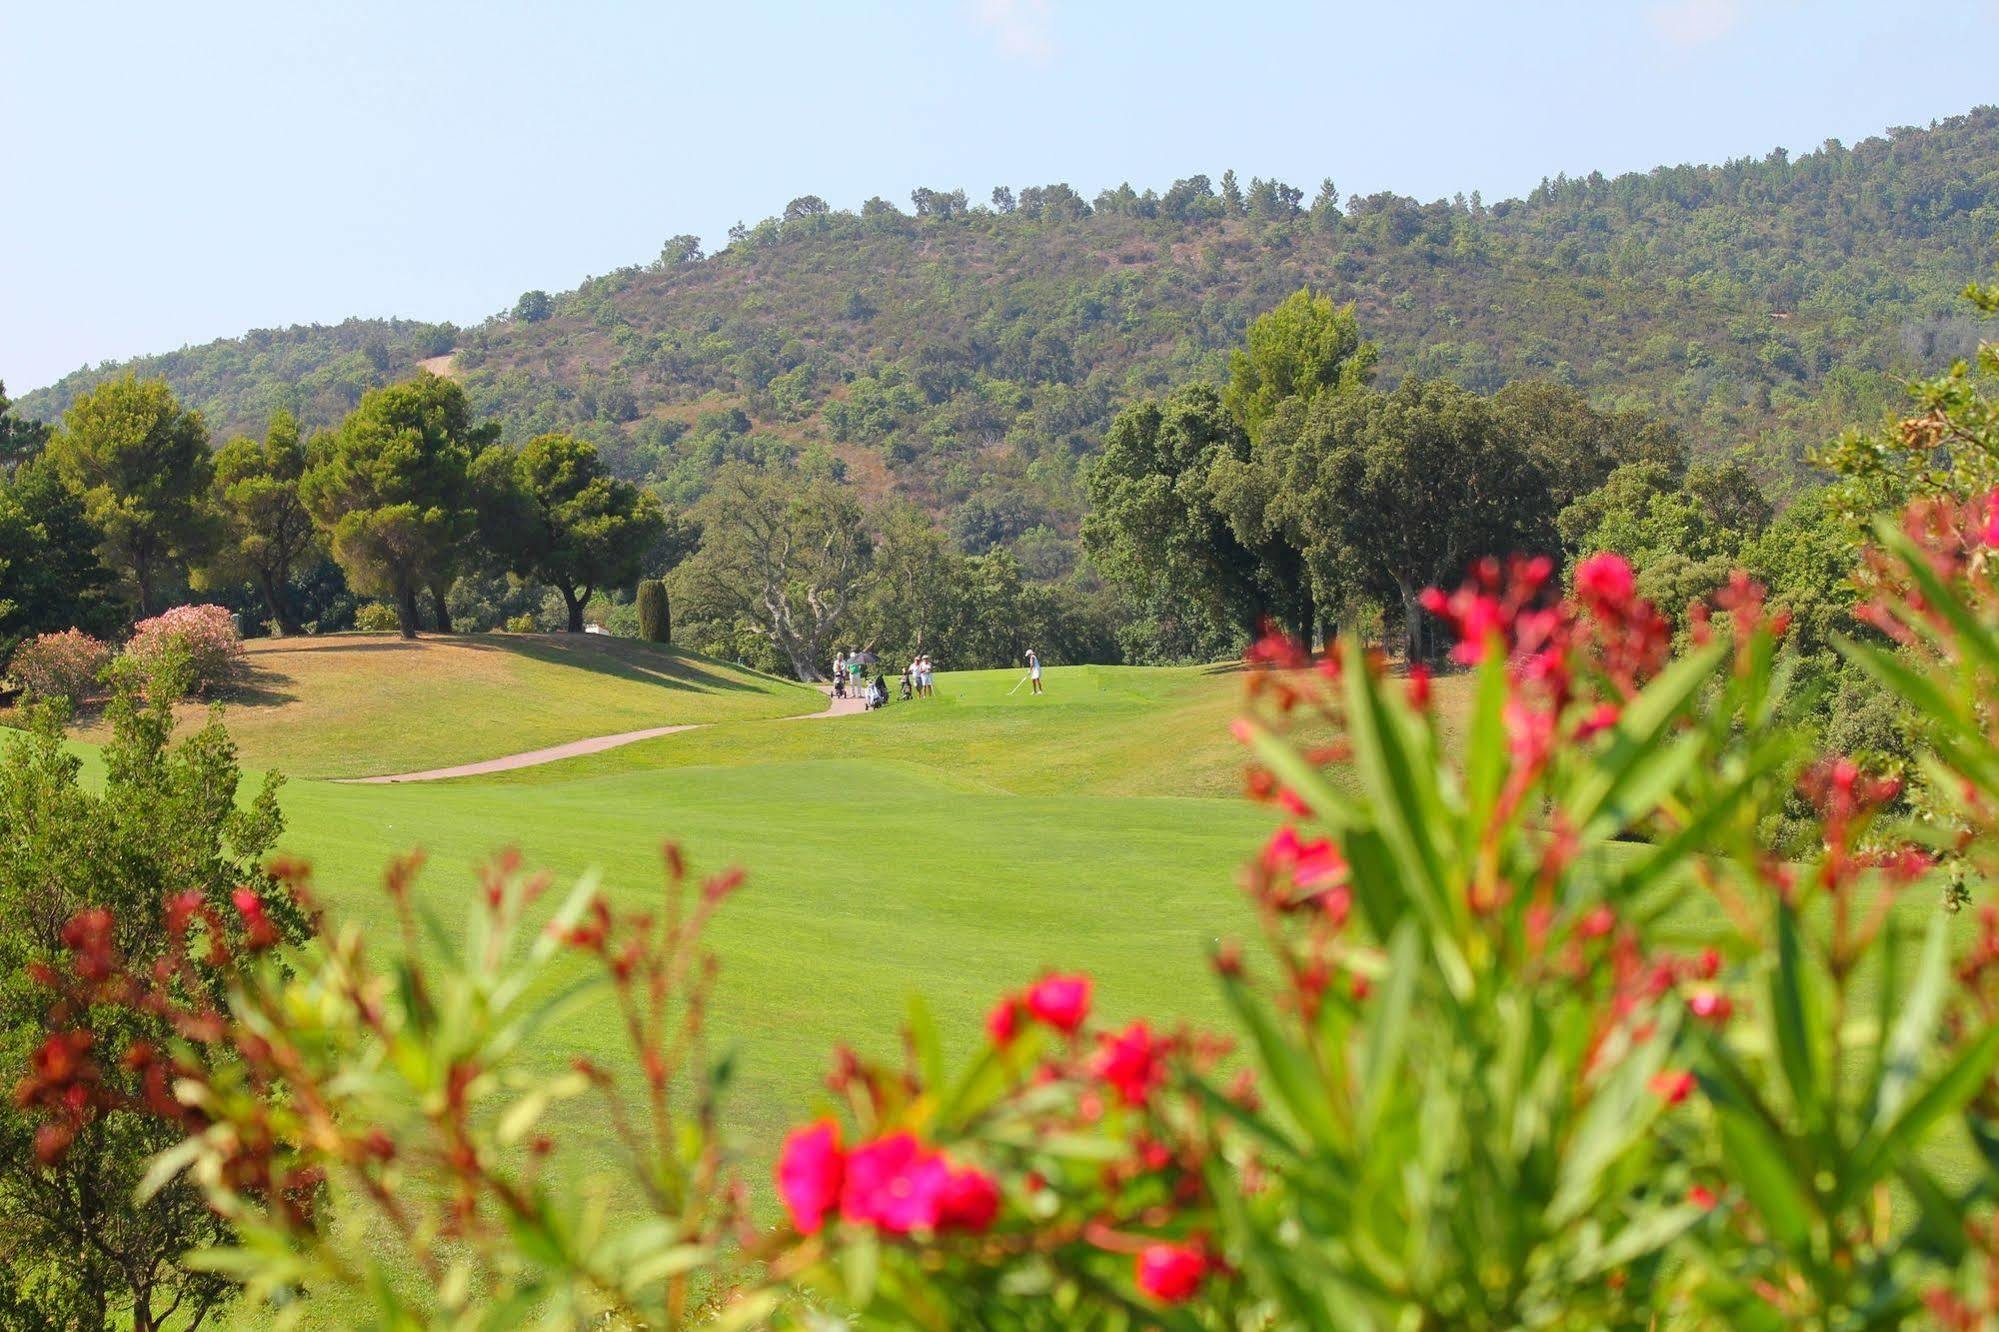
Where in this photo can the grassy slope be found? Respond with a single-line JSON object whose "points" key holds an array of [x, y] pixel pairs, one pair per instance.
{"points": [[951, 847], [353, 705]]}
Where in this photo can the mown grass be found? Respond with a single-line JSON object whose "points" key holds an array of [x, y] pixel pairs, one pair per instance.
{"points": [[354, 705], [951, 848]]}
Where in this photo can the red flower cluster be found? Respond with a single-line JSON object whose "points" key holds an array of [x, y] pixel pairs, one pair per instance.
{"points": [[67, 1085], [1132, 1062], [1060, 1002], [1314, 870], [1499, 605], [1173, 1273], [894, 1184]]}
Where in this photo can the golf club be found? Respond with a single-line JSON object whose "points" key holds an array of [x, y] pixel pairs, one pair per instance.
{"points": [[1017, 684]]}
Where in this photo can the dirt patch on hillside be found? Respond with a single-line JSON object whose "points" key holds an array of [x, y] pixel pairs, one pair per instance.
{"points": [[444, 366]]}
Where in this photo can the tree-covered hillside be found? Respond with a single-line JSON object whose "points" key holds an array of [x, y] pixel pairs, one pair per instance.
{"points": [[970, 356]]}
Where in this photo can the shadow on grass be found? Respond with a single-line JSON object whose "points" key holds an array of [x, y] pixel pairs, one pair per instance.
{"points": [[257, 686], [663, 666], [623, 659]]}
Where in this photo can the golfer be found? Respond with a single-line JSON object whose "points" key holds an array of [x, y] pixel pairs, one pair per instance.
{"points": [[1034, 669]]}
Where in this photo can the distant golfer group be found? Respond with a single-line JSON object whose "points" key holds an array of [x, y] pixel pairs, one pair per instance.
{"points": [[919, 677]]}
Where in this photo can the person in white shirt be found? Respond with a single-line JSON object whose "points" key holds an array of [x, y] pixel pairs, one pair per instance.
{"points": [[1034, 669]]}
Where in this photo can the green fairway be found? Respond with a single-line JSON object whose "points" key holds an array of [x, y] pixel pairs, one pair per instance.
{"points": [[951, 847]]}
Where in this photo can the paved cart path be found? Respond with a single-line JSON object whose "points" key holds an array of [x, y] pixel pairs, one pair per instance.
{"points": [[596, 744]]}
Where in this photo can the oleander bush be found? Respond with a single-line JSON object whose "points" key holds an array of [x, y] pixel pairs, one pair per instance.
{"points": [[1478, 1072], [68, 665], [206, 635]]}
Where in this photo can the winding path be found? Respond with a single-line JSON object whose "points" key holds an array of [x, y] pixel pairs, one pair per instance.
{"points": [[596, 744]]}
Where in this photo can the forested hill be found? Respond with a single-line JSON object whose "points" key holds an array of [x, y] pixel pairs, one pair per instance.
{"points": [[969, 356]]}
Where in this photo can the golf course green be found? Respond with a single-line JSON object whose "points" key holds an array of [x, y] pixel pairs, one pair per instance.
{"points": [[952, 846]]}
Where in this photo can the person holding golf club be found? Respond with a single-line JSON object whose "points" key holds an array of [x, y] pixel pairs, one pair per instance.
{"points": [[1034, 669]]}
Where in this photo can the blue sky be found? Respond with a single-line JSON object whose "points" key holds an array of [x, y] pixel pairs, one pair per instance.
{"points": [[185, 172]]}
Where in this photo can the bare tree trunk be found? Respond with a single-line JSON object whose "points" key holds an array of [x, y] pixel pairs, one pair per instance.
{"points": [[406, 612], [575, 605], [440, 612], [280, 603], [1412, 625]]}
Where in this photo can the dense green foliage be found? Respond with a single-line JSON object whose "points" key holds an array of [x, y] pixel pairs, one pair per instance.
{"points": [[272, 534], [655, 612], [81, 1250], [139, 462], [1300, 494], [561, 522], [393, 489]]}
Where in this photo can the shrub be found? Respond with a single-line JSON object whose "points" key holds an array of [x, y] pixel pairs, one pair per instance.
{"points": [[376, 617], [655, 615], [65, 665], [522, 624], [165, 831], [207, 635]]}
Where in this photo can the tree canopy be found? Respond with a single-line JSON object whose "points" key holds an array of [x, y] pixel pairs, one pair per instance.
{"points": [[392, 487], [140, 463], [257, 488], [563, 521]]}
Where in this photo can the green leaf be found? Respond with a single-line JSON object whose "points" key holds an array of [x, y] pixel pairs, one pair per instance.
{"points": [[668, 1262], [860, 1265], [1940, 1218], [1650, 1232], [1757, 1162], [1955, 1085], [1330, 806], [1972, 635], [1485, 745], [1637, 737], [1697, 834], [923, 1038], [1916, 1022], [1297, 1084], [1791, 1020], [1621, 1112], [1388, 1027], [1400, 798]]}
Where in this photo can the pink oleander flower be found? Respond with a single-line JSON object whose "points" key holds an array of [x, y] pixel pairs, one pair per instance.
{"points": [[1063, 1002], [64, 665], [1132, 1062], [895, 1184], [1003, 1023], [1671, 1085], [810, 1172], [1310, 864], [970, 1201], [1605, 581], [1171, 1273], [1710, 1005]]}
